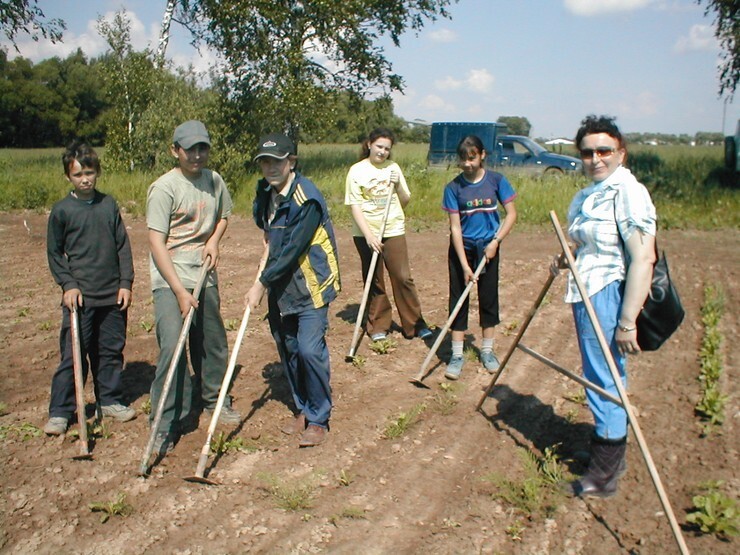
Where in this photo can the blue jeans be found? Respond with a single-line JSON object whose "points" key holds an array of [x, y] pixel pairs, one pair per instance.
{"points": [[102, 339], [208, 354], [609, 418], [301, 343]]}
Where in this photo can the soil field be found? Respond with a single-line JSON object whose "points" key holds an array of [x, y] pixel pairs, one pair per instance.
{"points": [[439, 487]]}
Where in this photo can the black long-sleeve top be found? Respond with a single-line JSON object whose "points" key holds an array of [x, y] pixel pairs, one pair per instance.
{"points": [[88, 248]]}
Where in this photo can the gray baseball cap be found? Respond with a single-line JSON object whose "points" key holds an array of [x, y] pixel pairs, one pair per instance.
{"points": [[191, 133]]}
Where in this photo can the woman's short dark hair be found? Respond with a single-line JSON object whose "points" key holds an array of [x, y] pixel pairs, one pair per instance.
{"points": [[83, 153], [375, 134], [600, 124], [467, 144]]}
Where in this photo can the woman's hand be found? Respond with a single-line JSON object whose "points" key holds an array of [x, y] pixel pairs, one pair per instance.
{"points": [[469, 274], [559, 262], [186, 301], [374, 243], [627, 340]]}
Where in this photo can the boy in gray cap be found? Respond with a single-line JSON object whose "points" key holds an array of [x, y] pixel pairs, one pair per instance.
{"points": [[187, 214]]}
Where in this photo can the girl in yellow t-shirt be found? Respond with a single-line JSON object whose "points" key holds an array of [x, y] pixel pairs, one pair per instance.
{"points": [[368, 187]]}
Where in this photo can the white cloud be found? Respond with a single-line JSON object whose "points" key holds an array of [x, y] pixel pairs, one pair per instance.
{"points": [[443, 35], [592, 7], [478, 80], [642, 105], [435, 103], [700, 38]]}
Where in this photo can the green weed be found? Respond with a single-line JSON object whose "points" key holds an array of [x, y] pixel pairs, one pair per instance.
{"points": [[715, 513], [290, 496], [23, 312], [470, 354], [537, 493], [399, 425], [24, 431], [146, 406], [345, 478], [3, 409], [711, 406], [232, 324], [220, 444], [147, 325], [511, 328], [358, 361], [515, 531], [579, 397], [445, 401], [384, 346], [119, 507], [352, 513], [46, 325]]}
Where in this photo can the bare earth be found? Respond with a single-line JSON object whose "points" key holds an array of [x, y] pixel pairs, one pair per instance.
{"points": [[425, 492]]}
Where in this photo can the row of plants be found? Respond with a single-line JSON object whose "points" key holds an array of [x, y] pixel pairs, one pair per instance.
{"points": [[689, 186]]}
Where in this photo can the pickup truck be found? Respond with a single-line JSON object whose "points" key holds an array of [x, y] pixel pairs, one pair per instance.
{"points": [[504, 151]]}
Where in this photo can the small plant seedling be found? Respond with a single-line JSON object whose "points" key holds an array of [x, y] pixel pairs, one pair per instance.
{"points": [[232, 324], [470, 354], [294, 496], [353, 513], [146, 406], [23, 430], [220, 445], [511, 327], [715, 513], [445, 401], [579, 397], [514, 531], [3, 409], [46, 325], [119, 507], [401, 423], [358, 361], [23, 312], [147, 325], [345, 478], [384, 346], [450, 523]]}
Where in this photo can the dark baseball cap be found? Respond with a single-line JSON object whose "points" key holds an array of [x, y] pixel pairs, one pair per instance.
{"points": [[191, 133], [276, 145]]}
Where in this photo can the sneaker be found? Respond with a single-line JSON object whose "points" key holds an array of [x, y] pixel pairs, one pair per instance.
{"points": [[119, 413], [489, 360], [424, 333], [454, 368], [381, 336], [56, 426], [164, 442], [227, 415]]}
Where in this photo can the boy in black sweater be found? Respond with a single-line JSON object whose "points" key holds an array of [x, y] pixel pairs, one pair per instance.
{"points": [[90, 258]]}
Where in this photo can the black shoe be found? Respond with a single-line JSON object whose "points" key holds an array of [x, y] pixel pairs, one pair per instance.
{"points": [[606, 466]]}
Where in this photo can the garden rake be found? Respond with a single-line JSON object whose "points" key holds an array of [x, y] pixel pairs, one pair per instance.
{"points": [[184, 331], [417, 380], [369, 280]]}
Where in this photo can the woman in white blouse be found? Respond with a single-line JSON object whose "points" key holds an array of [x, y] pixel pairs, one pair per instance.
{"points": [[612, 223]]}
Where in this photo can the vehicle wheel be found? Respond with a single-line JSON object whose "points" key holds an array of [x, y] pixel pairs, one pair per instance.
{"points": [[554, 172], [730, 153]]}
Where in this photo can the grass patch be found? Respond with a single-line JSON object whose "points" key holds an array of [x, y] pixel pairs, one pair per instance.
{"points": [[349, 513], [291, 496], [119, 507], [221, 444], [537, 494], [384, 346], [23, 431], [446, 400], [715, 512], [711, 406], [401, 423]]}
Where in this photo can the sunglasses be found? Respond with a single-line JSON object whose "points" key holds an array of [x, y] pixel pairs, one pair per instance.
{"points": [[600, 152]]}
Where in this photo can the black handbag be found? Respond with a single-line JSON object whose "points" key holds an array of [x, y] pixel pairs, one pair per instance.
{"points": [[662, 312]]}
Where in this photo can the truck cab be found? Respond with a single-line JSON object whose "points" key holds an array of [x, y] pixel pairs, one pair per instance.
{"points": [[512, 151]]}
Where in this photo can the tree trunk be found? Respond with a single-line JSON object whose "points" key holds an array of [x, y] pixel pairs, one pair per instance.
{"points": [[164, 33]]}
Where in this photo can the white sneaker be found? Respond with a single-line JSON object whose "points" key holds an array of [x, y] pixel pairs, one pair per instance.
{"points": [[119, 413], [56, 426]]}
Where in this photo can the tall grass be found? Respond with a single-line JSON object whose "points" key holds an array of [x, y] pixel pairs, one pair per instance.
{"points": [[689, 186]]}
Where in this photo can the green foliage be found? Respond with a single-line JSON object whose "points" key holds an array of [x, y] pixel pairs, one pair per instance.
{"points": [[445, 401], [727, 31], [24, 16], [358, 361], [23, 431], [384, 346], [399, 425], [351, 513], [291, 496], [3, 409], [711, 406], [538, 492], [515, 125], [715, 513], [221, 444], [146, 406], [119, 507]]}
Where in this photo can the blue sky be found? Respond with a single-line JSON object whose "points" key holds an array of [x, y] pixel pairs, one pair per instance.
{"points": [[650, 63]]}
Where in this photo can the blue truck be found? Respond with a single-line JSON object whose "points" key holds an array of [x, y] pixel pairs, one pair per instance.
{"points": [[504, 151]]}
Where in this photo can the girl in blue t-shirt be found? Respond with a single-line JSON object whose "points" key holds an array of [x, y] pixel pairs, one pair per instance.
{"points": [[472, 201]]}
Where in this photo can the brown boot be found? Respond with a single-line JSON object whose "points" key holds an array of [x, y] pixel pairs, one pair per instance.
{"points": [[295, 426], [606, 466], [314, 435]]}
